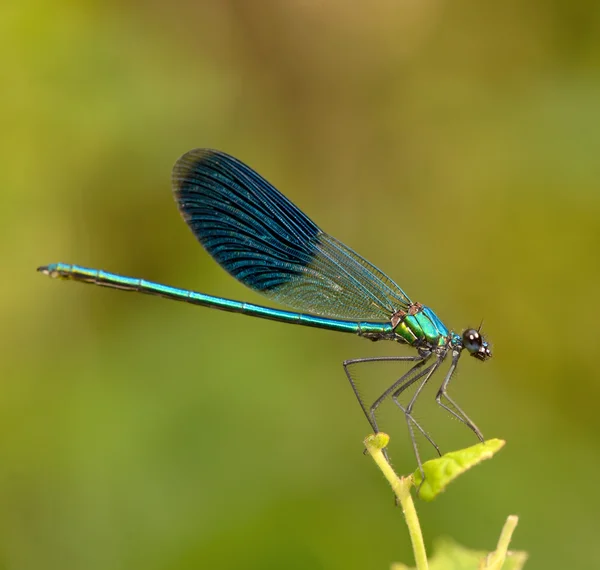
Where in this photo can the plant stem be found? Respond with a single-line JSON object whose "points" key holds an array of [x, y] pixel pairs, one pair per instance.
{"points": [[401, 487], [495, 559]]}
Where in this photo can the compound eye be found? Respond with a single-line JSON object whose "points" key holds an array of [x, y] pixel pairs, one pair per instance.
{"points": [[472, 340]]}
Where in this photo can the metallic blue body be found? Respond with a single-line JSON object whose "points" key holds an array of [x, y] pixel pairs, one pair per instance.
{"points": [[263, 240], [267, 243], [115, 281]]}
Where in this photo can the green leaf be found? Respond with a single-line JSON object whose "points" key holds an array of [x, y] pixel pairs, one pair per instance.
{"points": [[449, 555], [443, 470]]}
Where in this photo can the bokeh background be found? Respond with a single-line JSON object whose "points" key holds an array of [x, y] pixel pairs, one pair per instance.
{"points": [[453, 144]]}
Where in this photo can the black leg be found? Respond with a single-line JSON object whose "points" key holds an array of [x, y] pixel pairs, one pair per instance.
{"points": [[426, 375], [455, 410], [428, 372], [369, 414]]}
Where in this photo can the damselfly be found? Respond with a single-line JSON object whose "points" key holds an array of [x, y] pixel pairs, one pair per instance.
{"points": [[257, 235]]}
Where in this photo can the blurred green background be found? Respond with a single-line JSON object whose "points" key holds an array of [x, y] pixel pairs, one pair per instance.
{"points": [[455, 145]]}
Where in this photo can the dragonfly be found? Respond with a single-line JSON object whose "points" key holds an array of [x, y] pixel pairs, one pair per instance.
{"points": [[267, 243]]}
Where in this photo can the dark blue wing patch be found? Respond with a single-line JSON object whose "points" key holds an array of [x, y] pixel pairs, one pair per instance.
{"points": [[261, 238]]}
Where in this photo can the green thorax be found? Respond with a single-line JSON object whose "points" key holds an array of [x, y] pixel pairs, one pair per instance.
{"points": [[421, 325]]}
